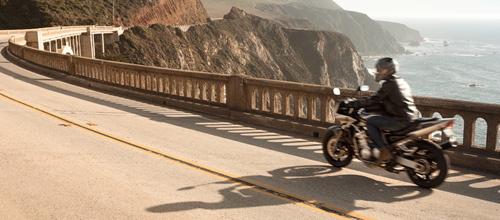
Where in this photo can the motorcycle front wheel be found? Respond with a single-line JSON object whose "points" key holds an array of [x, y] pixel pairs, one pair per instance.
{"points": [[336, 150], [433, 165]]}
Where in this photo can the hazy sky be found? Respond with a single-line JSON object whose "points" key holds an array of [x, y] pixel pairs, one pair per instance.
{"points": [[376, 9]]}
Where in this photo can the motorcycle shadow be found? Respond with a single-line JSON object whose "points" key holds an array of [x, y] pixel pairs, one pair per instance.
{"points": [[320, 183]]}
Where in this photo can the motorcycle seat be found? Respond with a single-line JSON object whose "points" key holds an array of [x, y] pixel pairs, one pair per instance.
{"points": [[413, 126]]}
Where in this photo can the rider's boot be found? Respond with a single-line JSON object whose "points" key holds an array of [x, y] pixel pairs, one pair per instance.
{"points": [[385, 154]]}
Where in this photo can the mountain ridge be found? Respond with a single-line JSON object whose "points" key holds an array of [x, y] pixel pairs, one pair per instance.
{"points": [[370, 37], [401, 32]]}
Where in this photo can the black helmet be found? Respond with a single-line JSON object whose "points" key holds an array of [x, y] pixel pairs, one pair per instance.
{"points": [[385, 67]]}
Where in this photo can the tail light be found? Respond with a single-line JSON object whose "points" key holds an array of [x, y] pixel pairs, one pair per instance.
{"points": [[450, 124], [448, 129]]}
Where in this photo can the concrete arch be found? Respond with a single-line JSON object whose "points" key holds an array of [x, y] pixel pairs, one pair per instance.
{"points": [[67, 50]]}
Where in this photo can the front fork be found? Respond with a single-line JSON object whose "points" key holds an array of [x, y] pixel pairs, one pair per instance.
{"points": [[347, 132]]}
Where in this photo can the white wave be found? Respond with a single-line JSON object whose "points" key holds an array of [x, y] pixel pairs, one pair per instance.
{"points": [[427, 53], [372, 57], [429, 40], [434, 41], [467, 55], [491, 46], [371, 71]]}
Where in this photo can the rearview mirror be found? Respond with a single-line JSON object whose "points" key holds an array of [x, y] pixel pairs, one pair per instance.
{"points": [[336, 91], [364, 88]]}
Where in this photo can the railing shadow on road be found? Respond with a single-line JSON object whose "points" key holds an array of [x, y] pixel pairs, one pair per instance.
{"points": [[484, 186], [338, 188]]}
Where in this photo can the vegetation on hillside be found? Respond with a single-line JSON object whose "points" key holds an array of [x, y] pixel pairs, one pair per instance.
{"points": [[46, 13]]}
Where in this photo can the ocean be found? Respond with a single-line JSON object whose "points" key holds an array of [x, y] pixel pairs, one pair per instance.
{"points": [[458, 60]]}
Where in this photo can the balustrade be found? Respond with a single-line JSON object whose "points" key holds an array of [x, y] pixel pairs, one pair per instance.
{"points": [[199, 86], [303, 103]]}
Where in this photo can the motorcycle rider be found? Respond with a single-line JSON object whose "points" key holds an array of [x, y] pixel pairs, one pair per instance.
{"points": [[395, 101]]}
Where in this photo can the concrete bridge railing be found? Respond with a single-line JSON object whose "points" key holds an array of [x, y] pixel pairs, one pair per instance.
{"points": [[297, 107]]}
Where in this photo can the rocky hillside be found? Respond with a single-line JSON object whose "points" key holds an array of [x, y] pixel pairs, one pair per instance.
{"points": [[245, 44], [218, 8], [368, 36], [401, 32], [45, 13]]}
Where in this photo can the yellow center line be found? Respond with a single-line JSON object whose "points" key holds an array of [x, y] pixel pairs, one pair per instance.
{"points": [[256, 186]]}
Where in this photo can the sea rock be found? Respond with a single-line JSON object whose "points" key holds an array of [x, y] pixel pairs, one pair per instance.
{"points": [[475, 85]]}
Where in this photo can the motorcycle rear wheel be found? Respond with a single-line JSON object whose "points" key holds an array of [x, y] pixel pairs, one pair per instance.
{"points": [[336, 150], [434, 165]]}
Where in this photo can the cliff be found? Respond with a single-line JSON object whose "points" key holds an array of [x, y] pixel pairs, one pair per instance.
{"points": [[45, 13], [218, 8], [245, 44], [401, 32], [368, 36]]}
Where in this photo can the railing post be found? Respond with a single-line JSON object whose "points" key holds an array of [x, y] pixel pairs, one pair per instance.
{"points": [[34, 39], [71, 65], [210, 91], [492, 136], [87, 44], [272, 101], [104, 71], [324, 106], [284, 102], [22, 51], [469, 130], [236, 94], [309, 106], [296, 105]]}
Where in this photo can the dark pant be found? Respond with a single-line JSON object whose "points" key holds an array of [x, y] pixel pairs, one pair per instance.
{"points": [[377, 123]]}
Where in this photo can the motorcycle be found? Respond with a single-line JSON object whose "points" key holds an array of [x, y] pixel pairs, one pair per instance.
{"points": [[413, 151]]}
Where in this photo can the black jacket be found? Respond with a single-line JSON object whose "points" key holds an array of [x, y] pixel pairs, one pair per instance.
{"points": [[394, 98]]}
